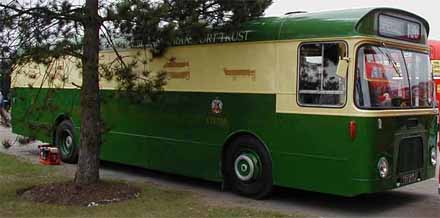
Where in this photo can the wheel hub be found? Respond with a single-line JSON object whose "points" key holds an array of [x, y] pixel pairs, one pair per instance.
{"points": [[246, 166], [68, 141]]}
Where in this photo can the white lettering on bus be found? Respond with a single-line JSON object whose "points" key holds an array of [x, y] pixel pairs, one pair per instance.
{"points": [[218, 37]]}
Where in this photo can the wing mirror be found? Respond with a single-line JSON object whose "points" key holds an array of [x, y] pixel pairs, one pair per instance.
{"points": [[342, 68]]}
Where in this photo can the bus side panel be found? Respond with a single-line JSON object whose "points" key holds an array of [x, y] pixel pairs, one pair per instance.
{"points": [[178, 132], [312, 153], [35, 110]]}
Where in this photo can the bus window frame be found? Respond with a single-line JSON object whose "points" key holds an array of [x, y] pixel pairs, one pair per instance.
{"points": [[403, 49], [347, 50]]}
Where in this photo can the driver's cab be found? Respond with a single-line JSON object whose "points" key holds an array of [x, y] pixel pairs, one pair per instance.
{"points": [[392, 78], [384, 76]]}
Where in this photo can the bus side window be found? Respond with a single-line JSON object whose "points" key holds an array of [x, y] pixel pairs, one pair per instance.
{"points": [[318, 83]]}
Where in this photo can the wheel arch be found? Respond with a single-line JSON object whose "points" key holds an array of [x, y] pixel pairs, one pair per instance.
{"points": [[235, 135]]}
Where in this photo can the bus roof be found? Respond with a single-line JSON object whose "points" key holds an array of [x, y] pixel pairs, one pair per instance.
{"points": [[398, 24], [339, 23]]}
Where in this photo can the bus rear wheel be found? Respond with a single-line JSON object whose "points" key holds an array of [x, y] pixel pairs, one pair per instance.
{"points": [[248, 168], [65, 141]]}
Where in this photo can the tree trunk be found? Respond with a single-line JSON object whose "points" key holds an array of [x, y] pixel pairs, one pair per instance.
{"points": [[90, 133]]}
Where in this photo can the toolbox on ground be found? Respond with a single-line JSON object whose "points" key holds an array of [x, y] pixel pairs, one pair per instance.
{"points": [[49, 155]]}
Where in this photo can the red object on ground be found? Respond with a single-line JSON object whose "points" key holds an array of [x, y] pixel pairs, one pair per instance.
{"points": [[49, 155]]}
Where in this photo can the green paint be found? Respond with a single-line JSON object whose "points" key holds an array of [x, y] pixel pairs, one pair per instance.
{"points": [[179, 133], [338, 23]]}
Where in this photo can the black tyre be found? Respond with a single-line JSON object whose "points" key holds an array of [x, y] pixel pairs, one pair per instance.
{"points": [[248, 168], [65, 140]]}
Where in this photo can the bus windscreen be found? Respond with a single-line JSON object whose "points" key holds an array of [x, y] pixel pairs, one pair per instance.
{"points": [[390, 78]]}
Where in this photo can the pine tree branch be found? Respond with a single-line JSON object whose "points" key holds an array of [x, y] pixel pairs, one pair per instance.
{"points": [[112, 44], [74, 14]]}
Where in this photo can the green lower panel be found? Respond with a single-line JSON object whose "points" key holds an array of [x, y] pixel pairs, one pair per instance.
{"points": [[181, 133], [34, 110]]}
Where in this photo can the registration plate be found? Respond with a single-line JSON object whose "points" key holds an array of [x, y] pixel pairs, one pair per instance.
{"points": [[408, 178]]}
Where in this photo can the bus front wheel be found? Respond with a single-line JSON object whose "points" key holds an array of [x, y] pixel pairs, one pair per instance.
{"points": [[66, 142], [248, 168]]}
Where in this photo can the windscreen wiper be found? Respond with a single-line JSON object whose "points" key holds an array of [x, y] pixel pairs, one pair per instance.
{"points": [[391, 59]]}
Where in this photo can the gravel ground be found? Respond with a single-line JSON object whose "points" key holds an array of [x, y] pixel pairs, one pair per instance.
{"points": [[418, 200]]}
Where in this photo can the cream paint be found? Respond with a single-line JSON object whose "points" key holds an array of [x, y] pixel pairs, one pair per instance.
{"points": [[38, 75], [233, 67], [251, 67]]}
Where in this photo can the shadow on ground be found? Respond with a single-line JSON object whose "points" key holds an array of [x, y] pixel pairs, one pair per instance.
{"points": [[290, 199]]}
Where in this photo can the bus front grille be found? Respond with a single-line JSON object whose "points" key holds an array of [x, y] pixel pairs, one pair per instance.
{"points": [[410, 154]]}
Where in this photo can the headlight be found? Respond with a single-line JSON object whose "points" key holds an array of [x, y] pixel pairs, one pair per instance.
{"points": [[433, 156], [383, 167]]}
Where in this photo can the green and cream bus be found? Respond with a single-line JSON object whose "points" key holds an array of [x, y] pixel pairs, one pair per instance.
{"points": [[337, 102]]}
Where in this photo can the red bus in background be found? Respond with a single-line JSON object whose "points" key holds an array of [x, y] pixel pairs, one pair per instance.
{"points": [[435, 61]]}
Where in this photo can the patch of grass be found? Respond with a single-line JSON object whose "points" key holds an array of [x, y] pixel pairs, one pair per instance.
{"points": [[16, 174]]}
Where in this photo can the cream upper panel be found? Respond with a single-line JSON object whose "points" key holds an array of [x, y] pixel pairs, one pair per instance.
{"points": [[109, 59], [287, 67], [233, 67], [61, 73]]}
